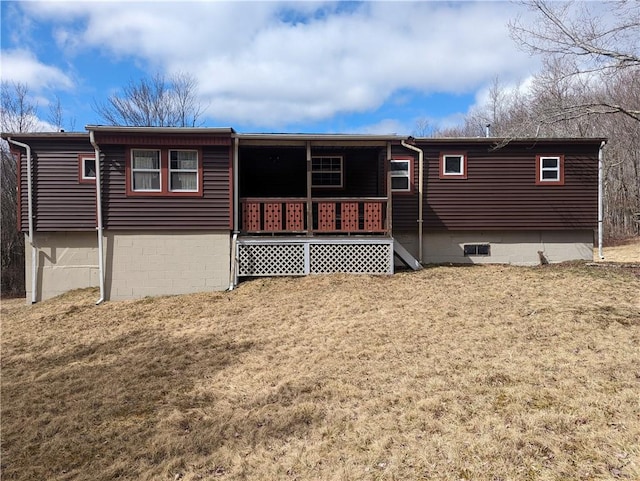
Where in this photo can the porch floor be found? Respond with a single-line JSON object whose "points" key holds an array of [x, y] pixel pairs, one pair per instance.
{"points": [[299, 256]]}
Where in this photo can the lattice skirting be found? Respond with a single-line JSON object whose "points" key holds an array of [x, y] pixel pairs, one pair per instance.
{"points": [[290, 258]]}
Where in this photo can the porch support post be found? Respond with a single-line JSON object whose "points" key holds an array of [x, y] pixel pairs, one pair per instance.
{"points": [[388, 180], [235, 170], [309, 203]]}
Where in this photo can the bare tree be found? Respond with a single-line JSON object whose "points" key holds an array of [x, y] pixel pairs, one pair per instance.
{"points": [[188, 109], [423, 128], [592, 49], [154, 102], [18, 114], [56, 115]]}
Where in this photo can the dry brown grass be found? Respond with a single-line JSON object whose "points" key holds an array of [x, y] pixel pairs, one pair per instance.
{"points": [[627, 251], [451, 373]]}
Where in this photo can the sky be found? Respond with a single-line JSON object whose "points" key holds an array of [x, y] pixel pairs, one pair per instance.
{"points": [[270, 66]]}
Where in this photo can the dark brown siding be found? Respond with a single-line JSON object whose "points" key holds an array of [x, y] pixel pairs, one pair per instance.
{"points": [[60, 202], [211, 211], [500, 191], [405, 204]]}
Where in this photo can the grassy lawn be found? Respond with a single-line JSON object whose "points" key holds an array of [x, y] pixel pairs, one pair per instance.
{"points": [[451, 373]]}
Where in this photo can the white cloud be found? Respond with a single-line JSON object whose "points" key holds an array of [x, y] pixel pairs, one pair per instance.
{"points": [[21, 66], [276, 63], [385, 127], [508, 90]]}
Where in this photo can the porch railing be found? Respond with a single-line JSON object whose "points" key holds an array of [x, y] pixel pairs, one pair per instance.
{"points": [[335, 215]]}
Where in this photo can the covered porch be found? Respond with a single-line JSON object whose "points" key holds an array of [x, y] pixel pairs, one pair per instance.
{"points": [[313, 185], [313, 204]]}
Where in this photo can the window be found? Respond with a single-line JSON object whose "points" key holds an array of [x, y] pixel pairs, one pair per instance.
{"points": [[183, 170], [476, 250], [550, 170], [453, 165], [86, 168], [326, 171], [164, 172], [145, 171], [400, 175]]}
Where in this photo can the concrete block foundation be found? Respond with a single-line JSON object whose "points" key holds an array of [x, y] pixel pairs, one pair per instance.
{"points": [[136, 263], [505, 247]]}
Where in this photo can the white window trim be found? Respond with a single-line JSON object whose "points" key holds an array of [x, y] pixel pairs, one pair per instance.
{"points": [[326, 171], [171, 189], [402, 174], [444, 165], [134, 170], [84, 175], [555, 169]]}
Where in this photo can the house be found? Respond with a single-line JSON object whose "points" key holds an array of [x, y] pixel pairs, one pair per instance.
{"points": [[144, 211]]}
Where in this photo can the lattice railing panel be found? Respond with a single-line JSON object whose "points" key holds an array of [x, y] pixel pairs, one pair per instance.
{"points": [[350, 258], [349, 212], [295, 216], [326, 216], [251, 216], [271, 260], [373, 216], [272, 216]]}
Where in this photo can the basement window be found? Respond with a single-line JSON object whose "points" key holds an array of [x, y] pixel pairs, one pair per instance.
{"points": [[327, 171], [476, 250], [453, 165]]}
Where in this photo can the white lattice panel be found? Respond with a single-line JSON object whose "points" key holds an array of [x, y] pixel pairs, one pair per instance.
{"points": [[350, 258], [271, 260]]}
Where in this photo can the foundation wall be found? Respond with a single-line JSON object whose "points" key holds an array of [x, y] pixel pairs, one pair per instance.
{"points": [[65, 260], [137, 264], [508, 247], [144, 263]]}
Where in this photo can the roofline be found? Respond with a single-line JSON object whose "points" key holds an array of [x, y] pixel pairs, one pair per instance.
{"points": [[44, 135], [323, 137], [507, 140], [160, 130], [299, 137]]}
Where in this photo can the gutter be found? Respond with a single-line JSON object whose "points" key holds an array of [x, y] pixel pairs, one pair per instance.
{"points": [[420, 193], [34, 252], [99, 227], [601, 197]]}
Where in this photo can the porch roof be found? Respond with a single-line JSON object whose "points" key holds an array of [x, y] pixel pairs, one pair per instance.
{"points": [[318, 139]]}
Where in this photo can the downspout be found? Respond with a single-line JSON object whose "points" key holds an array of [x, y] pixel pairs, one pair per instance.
{"points": [[233, 280], [34, 252], [99, 228], [420, 193], [600, 197]]}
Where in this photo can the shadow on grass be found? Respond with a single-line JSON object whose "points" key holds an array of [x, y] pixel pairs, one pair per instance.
{"points": [[93, 409]]}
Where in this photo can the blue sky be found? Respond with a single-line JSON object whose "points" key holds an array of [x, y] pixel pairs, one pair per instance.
{"points": [[304, 66]]}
